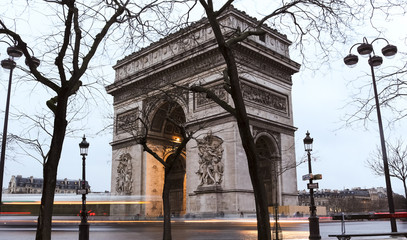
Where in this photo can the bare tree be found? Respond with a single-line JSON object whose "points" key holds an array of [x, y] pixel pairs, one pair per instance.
{"points": [[168, 164], [302, 18], [278, 169], [83, 27], [170, 156], [397, 160], [35, 132]]}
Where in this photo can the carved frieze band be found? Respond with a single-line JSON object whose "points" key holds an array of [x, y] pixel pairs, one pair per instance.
{"points": [[200, 99], [265, 98]]}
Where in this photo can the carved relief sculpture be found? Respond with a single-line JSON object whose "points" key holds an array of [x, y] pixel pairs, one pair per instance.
{"points": [[265, 98], [201, 99], [210, 160], [127, 122], [124, 180]]}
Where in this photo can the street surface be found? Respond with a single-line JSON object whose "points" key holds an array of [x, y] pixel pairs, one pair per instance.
{"points": [[223, 229]]}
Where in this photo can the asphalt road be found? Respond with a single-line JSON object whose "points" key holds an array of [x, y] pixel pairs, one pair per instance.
{"points": [[146, 230], [224, 229]]}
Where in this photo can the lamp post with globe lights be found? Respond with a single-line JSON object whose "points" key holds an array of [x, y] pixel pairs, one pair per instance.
{"points": [[9, 64], [366, 49]]}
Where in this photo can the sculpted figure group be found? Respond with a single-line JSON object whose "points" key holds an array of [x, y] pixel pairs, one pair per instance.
{"points": [[124, 179], [210, 160]]}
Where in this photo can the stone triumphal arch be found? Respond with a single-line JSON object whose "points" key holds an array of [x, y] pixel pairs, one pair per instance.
{"points": [[212, 177]]}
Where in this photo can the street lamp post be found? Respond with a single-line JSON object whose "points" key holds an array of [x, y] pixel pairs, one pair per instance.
{"points": [[366, 48], [313, 219], [84, 225], [9, 64]]}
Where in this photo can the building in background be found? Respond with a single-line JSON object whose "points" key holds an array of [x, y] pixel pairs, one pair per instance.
{"points": [[31, 185], [356, 200]]}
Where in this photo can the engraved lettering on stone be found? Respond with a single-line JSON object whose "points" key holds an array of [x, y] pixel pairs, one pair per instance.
{"points": [[265, 98], [210, 160], [124, 179]]}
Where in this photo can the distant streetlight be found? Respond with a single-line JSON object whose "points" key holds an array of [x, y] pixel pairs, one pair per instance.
{"points": [[366, 48], [9, 64], [84, 225], [313, 219]]}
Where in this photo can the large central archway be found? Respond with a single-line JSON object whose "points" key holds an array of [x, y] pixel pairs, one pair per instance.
{"points": [[165, 133]]}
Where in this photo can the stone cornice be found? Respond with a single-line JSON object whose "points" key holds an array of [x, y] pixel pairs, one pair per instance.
{"points": [[210, 121], [265, 124], [125, 142], [220, 190], [130, 141]]}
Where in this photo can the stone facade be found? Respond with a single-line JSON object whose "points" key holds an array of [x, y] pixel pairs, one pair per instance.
{"points": [[212, 177], [31, 185]]}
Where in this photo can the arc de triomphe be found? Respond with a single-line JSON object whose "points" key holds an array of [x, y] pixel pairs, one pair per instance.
{"points": [[212, 178]]}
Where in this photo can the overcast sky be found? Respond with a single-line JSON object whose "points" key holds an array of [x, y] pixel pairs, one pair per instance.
{"points": [[319, 105]]}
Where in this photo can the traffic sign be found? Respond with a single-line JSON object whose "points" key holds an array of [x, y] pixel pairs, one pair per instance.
{"points": [[312, 185], [317, 177], [307, 177], [81, 191]]}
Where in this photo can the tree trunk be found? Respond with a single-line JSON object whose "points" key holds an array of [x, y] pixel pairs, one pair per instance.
{"points": [[167, 207], [263, 218], [50, 171], [405, 191]]}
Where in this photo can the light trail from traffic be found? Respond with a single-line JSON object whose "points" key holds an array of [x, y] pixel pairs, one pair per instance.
{"points": [[75, 202]]}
